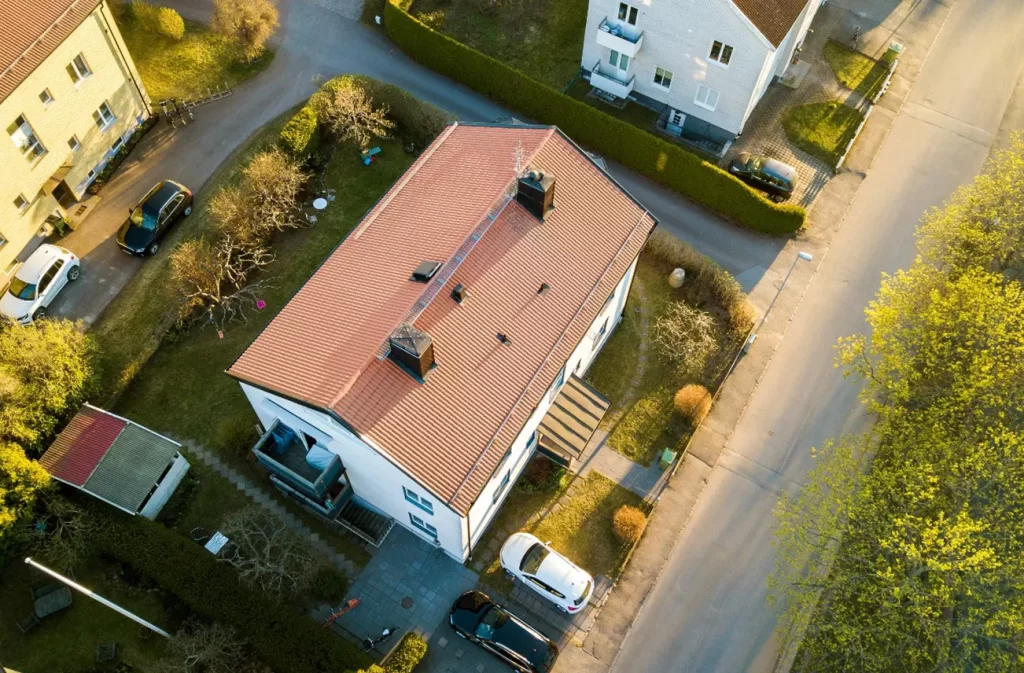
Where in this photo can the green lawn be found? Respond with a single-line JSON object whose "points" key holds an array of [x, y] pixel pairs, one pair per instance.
{"points": [[645, 423], [186, 68], [581, 529], [543, 39], [67, 641], [822, 129], [633, 113], [857, 72]]}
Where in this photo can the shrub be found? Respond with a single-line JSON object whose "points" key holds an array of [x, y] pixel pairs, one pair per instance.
{"points": [[330, 584], [693, 402], [540, 475], [742, 315], [251, 22], [284, 640], [144, 15], [687, 337], [300, 136], [407, 655], [419, 122], [629, 523], [666, 163], [169, 23]]}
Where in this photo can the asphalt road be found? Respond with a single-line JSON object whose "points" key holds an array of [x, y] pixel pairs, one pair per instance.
{"points": [[314, 44], [708, 612]]}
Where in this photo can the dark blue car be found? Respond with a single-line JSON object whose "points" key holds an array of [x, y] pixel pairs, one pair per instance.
{"points": [[476, 617], [150, 221]]}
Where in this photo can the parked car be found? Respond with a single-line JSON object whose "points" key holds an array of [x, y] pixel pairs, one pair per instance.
{"points": [[156, 213], [771, 176], [547, 572], [477, 618], [37, 282]]}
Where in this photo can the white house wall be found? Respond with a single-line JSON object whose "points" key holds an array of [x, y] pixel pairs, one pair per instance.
{"points": [[165, 488], [373, 477], [484, 509], [678, 35]]}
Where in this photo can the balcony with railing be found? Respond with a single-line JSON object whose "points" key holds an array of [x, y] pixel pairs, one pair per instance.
{"points": [[611, 80], [621, 37]]}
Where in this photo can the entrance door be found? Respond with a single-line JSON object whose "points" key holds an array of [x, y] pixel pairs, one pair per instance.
{"points": [[64, 196], [618, 60]]}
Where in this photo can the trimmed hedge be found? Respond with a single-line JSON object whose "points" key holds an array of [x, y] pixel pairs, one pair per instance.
{"points": [[407, 655], [664, 162], [299, 136], [282, 639]]}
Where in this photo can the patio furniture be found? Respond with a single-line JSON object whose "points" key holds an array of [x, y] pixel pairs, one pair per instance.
{"points": [[50, 599], [106, 652], [370, 155], [28, 623], [320, 203]]}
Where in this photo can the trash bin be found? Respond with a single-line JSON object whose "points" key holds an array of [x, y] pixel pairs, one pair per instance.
{"points": [[668, 457]]}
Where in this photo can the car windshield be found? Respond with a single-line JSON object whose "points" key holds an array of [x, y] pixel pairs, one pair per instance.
{"points": [[492, 620], [755, 163], [584, 593], [143, 219], [22, 290], [533, 558]]}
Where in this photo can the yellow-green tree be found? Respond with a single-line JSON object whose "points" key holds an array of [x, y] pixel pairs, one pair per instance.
{"points": [[21, 480]]}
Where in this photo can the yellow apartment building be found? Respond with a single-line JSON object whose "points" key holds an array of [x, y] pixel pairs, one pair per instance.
{"points": [[69, 97]]}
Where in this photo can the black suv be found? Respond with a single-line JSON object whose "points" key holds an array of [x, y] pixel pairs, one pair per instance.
{"points": [[149, 221], [769, 175], [476, 617]]}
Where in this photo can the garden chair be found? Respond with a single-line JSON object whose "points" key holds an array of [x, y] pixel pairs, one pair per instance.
{"points": [[28, 623]]}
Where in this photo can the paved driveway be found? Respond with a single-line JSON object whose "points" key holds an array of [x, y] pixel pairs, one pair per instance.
{"points": [[315, 43]]}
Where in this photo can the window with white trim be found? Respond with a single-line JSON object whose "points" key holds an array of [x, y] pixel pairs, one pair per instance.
{"points": [[706, 97], [24, 138], [78, 69], [103, 116], [600, 334], [3, 241], [422, 525], [720, 53], [502, 486], [617, 60], [559, 380], [627, 13], [418, 500], [46, 97], [74, 143], [21, 203], [663, 78]]}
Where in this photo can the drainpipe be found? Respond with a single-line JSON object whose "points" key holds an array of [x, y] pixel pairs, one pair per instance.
{"points": [[131, 75]]}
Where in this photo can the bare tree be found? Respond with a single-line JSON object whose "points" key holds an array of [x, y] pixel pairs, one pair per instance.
{"points": [[268, 555], [232, 211], [210, 648], [69, 534], [350, 115], [272, 181], [686, 336], [212, 279], [251, 22]]}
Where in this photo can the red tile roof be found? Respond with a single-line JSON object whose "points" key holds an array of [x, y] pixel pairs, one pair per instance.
{"points": [[80, 447], [451, 431], [774, 18], [29, 32]]}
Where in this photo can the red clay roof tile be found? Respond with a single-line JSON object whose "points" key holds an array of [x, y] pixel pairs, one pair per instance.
{"points": [[81, 445]]}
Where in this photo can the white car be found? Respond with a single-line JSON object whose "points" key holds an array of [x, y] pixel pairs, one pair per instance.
{"points": [[37, 282], [547, 572]]}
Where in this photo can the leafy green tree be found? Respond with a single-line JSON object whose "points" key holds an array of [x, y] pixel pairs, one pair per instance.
{"points": [[45, 372], [21, 481]]}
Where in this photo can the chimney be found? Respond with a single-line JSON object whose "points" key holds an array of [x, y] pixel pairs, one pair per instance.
{"points": [[413, 351], [459, 293], [536, 193]]}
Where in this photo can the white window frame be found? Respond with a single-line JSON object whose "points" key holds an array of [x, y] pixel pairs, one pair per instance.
{"points": [[3, 241], [661, 84], [97, 115], [74, 143], [615, 60], [422, 526], [707, 96], [629, 9], [26, 140], [599, 337], [25, 203], [721, 51], [418, 500], [78, 73], [556, 387], [46, 97], [502, 486]]}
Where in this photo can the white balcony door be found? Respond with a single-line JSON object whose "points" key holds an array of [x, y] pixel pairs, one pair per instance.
{"points": [[619, 61]]}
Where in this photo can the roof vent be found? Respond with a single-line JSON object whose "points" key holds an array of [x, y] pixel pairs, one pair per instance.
{"points": [[413, 351], [536, 193], [544, 289], [504, 338], [425, 271], [460, 293]]}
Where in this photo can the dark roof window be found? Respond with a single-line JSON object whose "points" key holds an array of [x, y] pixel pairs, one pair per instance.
{"points": [[425, 271]]}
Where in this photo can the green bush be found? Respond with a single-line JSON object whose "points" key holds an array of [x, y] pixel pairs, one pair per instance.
{"points": [[300, 135], [407, 656], [668, 164], [282, 639], [169, 23]]}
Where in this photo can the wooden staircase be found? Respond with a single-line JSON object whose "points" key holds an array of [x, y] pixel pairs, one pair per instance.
{"points": [[364, 522]]}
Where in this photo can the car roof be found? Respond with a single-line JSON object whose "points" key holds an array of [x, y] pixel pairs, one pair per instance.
{"points": [[38, 262], [560, 573], [160, 195], [517, 635], [777, 169]]}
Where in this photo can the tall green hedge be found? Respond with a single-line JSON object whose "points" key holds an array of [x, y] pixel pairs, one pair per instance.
{"points": [[300, 136], [664, 162], [283, 640]]}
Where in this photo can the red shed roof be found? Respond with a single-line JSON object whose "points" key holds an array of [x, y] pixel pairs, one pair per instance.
{"points": [[450, 431], [80, 447]]}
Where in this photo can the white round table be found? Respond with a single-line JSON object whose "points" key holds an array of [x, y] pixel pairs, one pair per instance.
{"points": [[320, 203]]}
